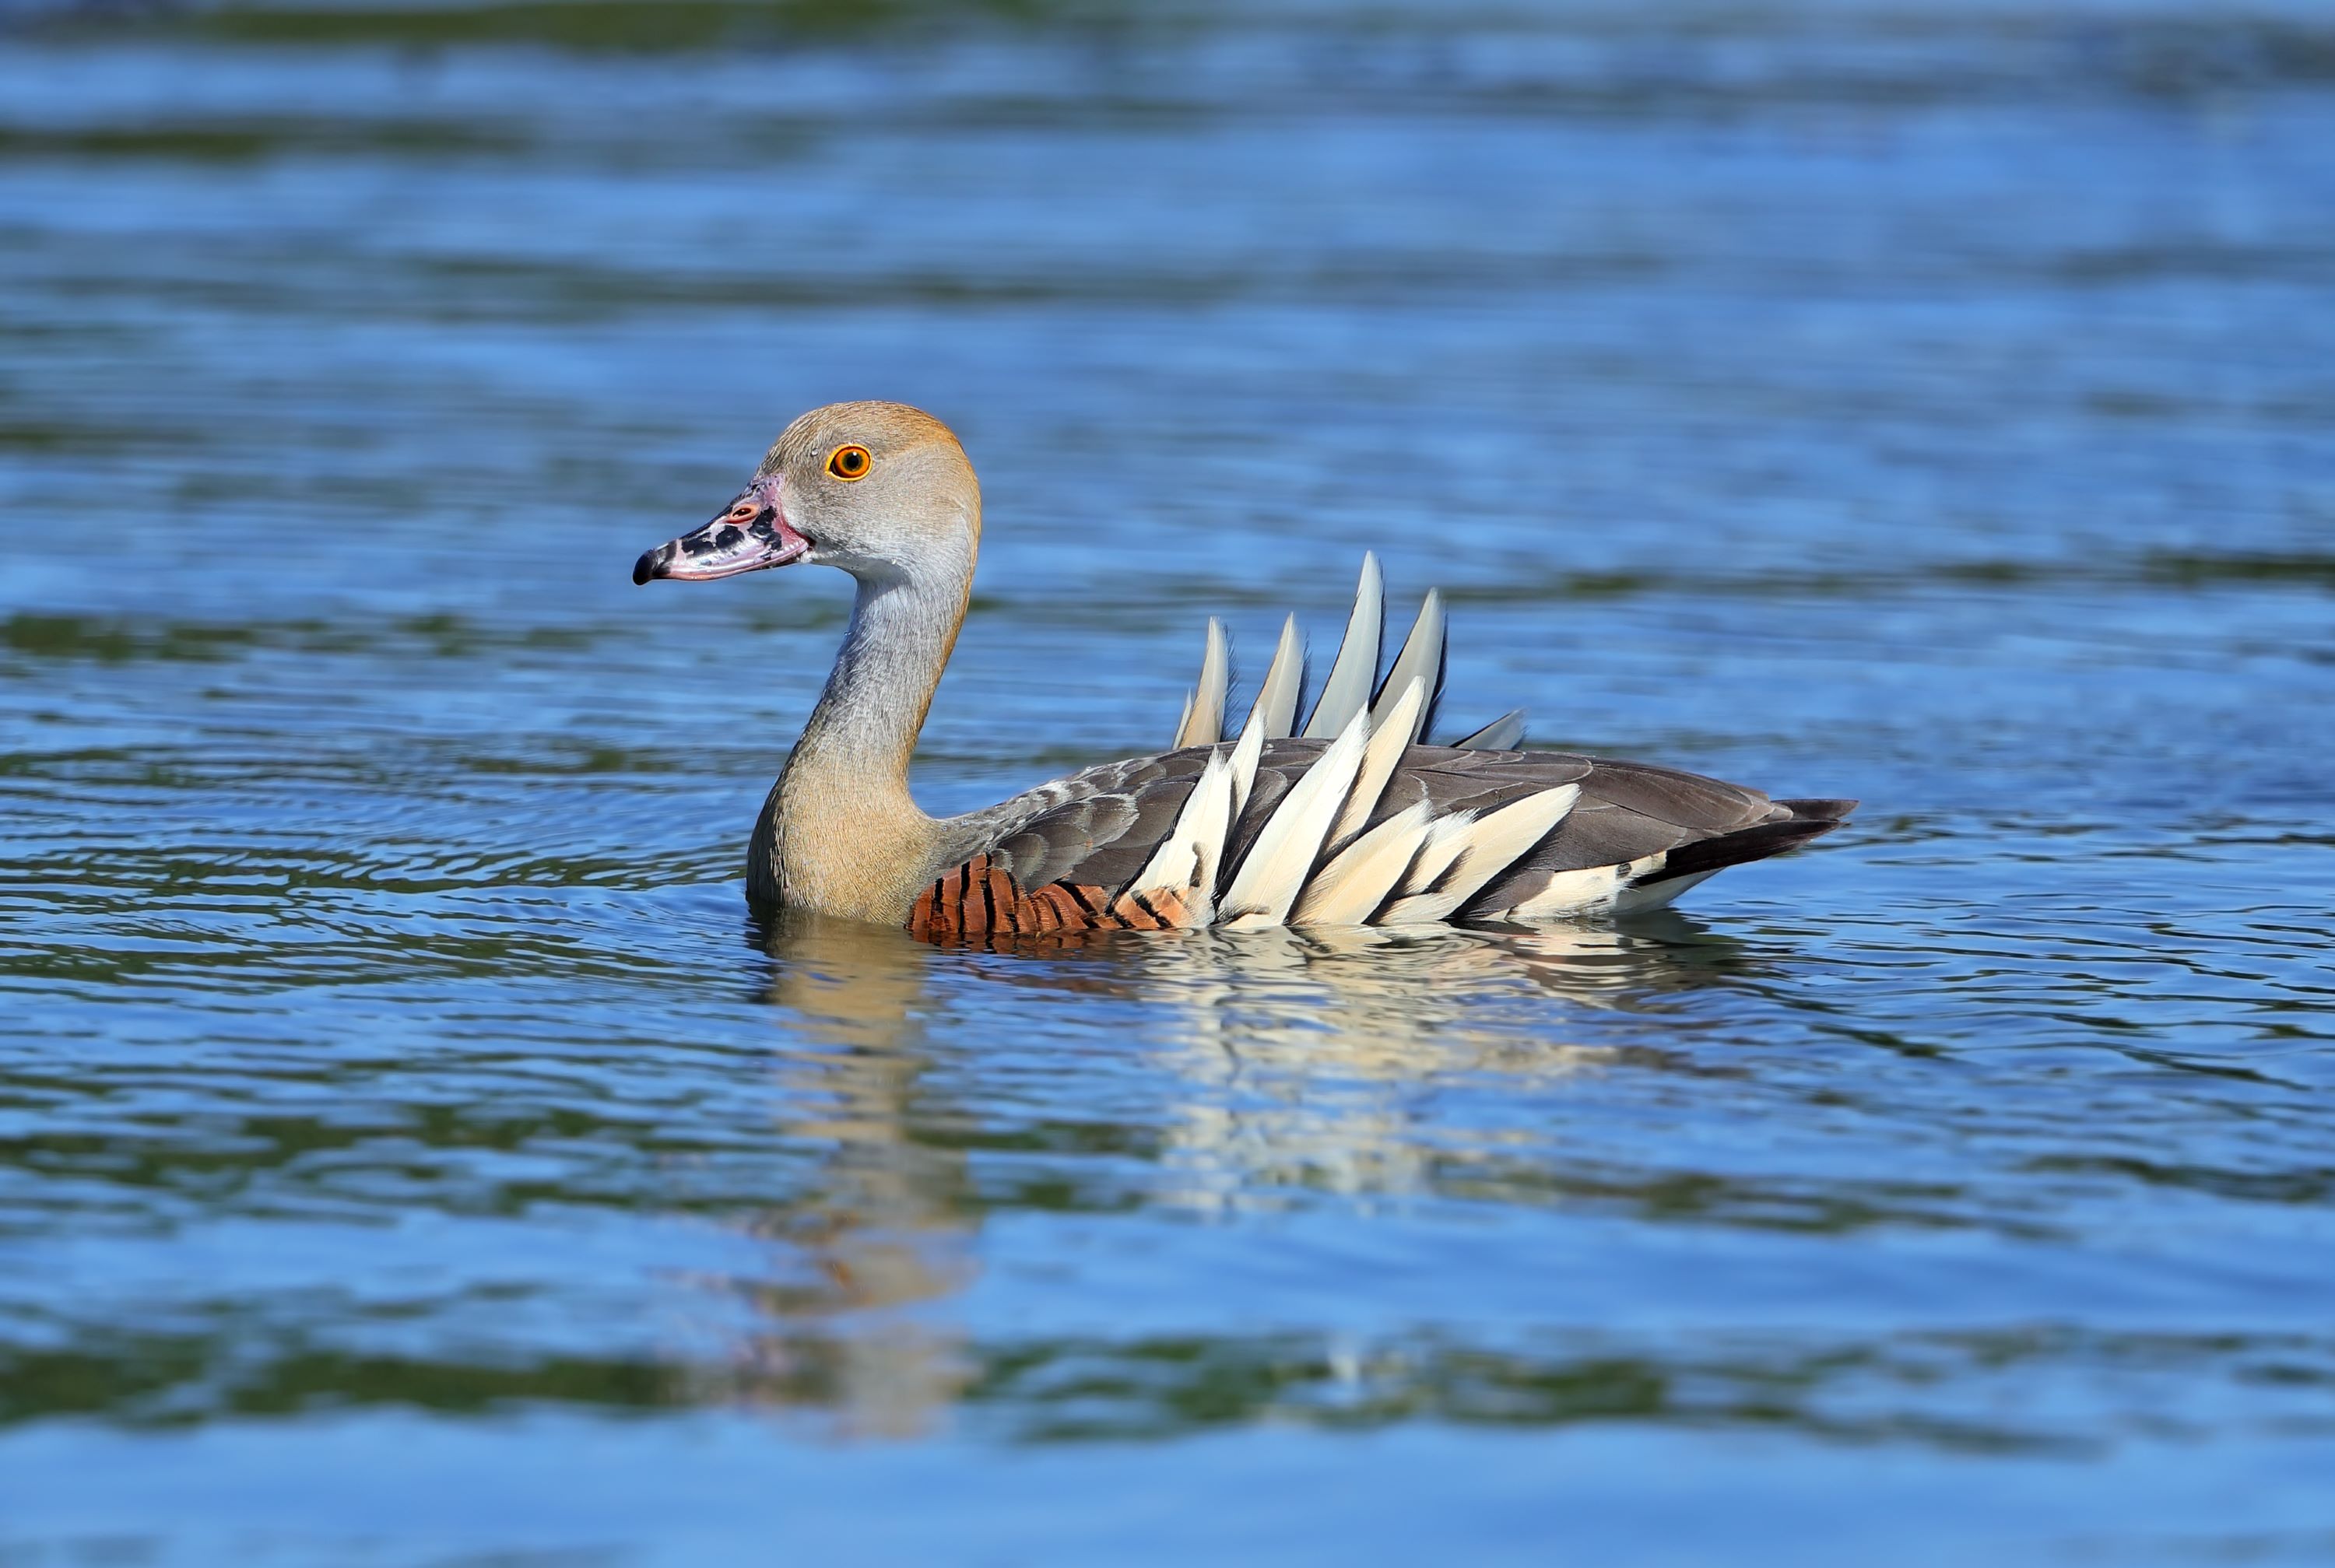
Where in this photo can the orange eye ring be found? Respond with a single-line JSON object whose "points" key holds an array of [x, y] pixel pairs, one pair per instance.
{"points": [[850, 461]]}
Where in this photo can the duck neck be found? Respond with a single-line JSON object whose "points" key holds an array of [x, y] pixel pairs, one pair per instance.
{"points": [[840, 832], [867, 721]]}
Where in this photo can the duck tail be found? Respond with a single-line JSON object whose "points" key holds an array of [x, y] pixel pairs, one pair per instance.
{"points": [[1808, 819]]}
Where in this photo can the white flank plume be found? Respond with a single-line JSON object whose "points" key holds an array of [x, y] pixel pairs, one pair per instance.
{"points": [[1347, 691], [1276, 700], [1349, 890], [1278, 863], [1204, 717], [1480, 851], [1421, 660], [1389, 737]]}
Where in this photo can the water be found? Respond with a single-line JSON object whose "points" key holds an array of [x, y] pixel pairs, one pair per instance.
{"points": [[408, 1155]]}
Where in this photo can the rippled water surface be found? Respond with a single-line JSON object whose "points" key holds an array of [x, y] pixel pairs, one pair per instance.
{"points": [[409, 1153]]}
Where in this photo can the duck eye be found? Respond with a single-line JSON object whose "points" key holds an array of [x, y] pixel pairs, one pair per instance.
{"points": [[850, 461]]}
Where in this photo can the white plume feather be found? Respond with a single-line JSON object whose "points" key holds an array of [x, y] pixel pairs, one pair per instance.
{"points": [[1347, 690], [1505, 733], [1478, 852], [1204, 715], [1276, 700], [1279, 861], [1389, 737], [1349, 890], [1422, 659]]}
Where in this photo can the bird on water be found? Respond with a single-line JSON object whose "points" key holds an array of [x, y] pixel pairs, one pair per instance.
{"points": [[1352, 818]]}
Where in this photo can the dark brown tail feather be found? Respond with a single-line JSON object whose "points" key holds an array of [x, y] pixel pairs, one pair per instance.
{"points": [[1822, 810], [1810, 820]]}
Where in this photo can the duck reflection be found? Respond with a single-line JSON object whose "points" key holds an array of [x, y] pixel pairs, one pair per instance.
{"points": [[1295, 1061], [1310, 1060], [882, 1225]]}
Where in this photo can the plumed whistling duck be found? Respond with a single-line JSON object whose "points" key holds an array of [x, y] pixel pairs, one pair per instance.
{"points": [[1352, 820]]}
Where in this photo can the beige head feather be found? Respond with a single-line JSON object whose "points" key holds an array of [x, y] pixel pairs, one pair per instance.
{"points": [[877, 489]]}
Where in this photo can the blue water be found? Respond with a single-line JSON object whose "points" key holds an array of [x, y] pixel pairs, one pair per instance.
{"points": [[409, 1153]]}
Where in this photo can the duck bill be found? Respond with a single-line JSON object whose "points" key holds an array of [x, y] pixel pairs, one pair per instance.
{"points": [[750, 534]]}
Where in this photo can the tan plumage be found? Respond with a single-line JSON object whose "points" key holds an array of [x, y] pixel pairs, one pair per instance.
{"points": [[1355, 822]]}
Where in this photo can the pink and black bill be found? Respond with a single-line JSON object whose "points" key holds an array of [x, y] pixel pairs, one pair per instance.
{"points": [[752, 534]]}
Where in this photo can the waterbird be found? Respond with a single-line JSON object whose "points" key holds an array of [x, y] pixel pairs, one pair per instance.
{"points": [[1352, 818]]}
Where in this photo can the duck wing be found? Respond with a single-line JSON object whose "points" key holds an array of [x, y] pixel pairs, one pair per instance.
{"points": [[1353, 821], [1582, 835]]}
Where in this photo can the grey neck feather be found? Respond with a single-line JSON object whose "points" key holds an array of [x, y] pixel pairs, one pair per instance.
{"points": [[864, 727]]}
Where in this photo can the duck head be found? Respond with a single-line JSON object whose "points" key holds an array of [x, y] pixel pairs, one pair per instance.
{"points": [[873, 487]]}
